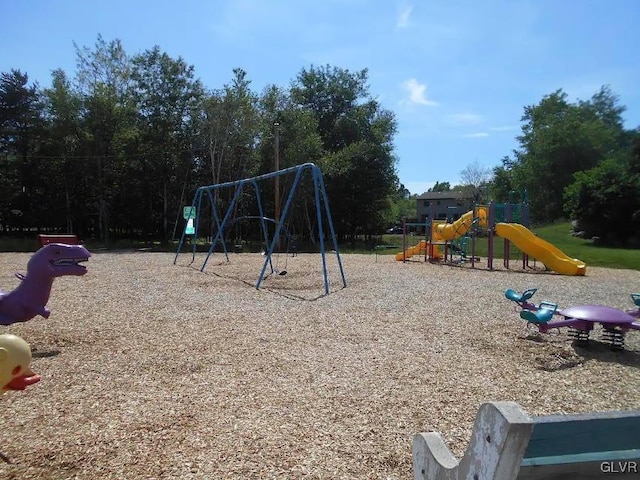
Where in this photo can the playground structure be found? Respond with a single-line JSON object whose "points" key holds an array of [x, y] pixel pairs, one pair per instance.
{"points": [[15, 368], [15, 364], [30, 297], [441, 235], [580, 320], [221, 221], [445, 239]]}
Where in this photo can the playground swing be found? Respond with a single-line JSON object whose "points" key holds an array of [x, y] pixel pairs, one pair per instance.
{"points": [[283, 272], [287, 230], [219, 220], [238, 239], [286, 258]]}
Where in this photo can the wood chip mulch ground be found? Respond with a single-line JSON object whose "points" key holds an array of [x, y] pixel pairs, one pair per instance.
{"points": [[152, 370]]}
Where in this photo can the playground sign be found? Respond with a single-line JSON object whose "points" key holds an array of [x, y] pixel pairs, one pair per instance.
{"points": [[189, 212]]}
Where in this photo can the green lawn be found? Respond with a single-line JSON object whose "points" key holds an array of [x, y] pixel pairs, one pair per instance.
{"points": [[558, 234]]}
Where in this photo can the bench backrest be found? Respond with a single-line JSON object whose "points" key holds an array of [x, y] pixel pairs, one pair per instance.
{"points": [[507, 444], [582, 445]]}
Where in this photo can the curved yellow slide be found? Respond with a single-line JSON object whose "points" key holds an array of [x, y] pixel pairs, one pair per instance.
{"points": [[411, 251], [550, 255], [449, 231], [419, 249]]}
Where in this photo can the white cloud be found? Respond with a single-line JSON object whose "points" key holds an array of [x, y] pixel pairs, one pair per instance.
{"points": [[417, 93], [463, 119], [476, 135], [403, 16], [505, 128]]}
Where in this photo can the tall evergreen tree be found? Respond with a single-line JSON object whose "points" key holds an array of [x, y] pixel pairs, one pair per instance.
{"points": [[166, 96], [20, 134], [103, 78]]}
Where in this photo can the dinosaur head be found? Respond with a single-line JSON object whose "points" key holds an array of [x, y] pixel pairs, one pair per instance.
{"points": [[59, 259], [15, 364]]}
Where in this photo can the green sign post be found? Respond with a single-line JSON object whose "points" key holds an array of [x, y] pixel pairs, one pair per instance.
{"points": [[189, 214]]}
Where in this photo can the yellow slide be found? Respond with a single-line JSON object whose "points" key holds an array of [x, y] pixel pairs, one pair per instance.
{"points": [[411, 251], [551, 256], [419, 249], [449, 231]]}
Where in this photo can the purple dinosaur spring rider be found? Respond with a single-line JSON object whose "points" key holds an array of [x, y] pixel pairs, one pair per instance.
{"points": [[579, 319], [31, 296]]}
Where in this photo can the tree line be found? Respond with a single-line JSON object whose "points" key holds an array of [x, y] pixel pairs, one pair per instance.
{"points": [[116, 149], [577, 161]]}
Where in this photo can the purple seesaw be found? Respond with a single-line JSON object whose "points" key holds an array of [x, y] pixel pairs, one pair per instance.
{"points": [[579, 319]]}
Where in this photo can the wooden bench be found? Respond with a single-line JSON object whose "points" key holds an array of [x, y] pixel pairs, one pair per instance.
{"points": [[69, 239], [508, 444]]}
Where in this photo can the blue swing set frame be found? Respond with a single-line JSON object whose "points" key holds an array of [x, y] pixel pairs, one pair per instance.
{"points": [[321, 201]]}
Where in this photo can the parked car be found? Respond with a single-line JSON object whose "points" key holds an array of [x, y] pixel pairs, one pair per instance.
{"points": [[394, 230]]}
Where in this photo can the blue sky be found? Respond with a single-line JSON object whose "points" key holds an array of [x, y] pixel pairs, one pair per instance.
{"points": [[457, 74]]}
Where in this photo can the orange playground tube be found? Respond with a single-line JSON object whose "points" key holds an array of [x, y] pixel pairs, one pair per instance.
{"points": [[419, 249]]}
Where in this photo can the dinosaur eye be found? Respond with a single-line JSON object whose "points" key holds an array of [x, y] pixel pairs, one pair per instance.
{"points": [[58, 252], [16, 370]]}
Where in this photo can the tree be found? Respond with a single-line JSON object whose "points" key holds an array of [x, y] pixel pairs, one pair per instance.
{"points": [[62, 110], [502, 183], [103, 78], [20, 134], [231, 129], [605, 200], [401, 204], [19, 113], [440, 187], [475, 179], [112, 149], [293, 131], [357, 138], [559, 139], [166, 96]]}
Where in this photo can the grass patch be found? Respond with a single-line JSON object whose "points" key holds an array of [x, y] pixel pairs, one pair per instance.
{"points": [[559, 234]]}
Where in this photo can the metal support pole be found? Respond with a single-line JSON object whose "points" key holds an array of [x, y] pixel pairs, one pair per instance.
{"points": [[404, 239], [491, 223], [507, 252]]}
